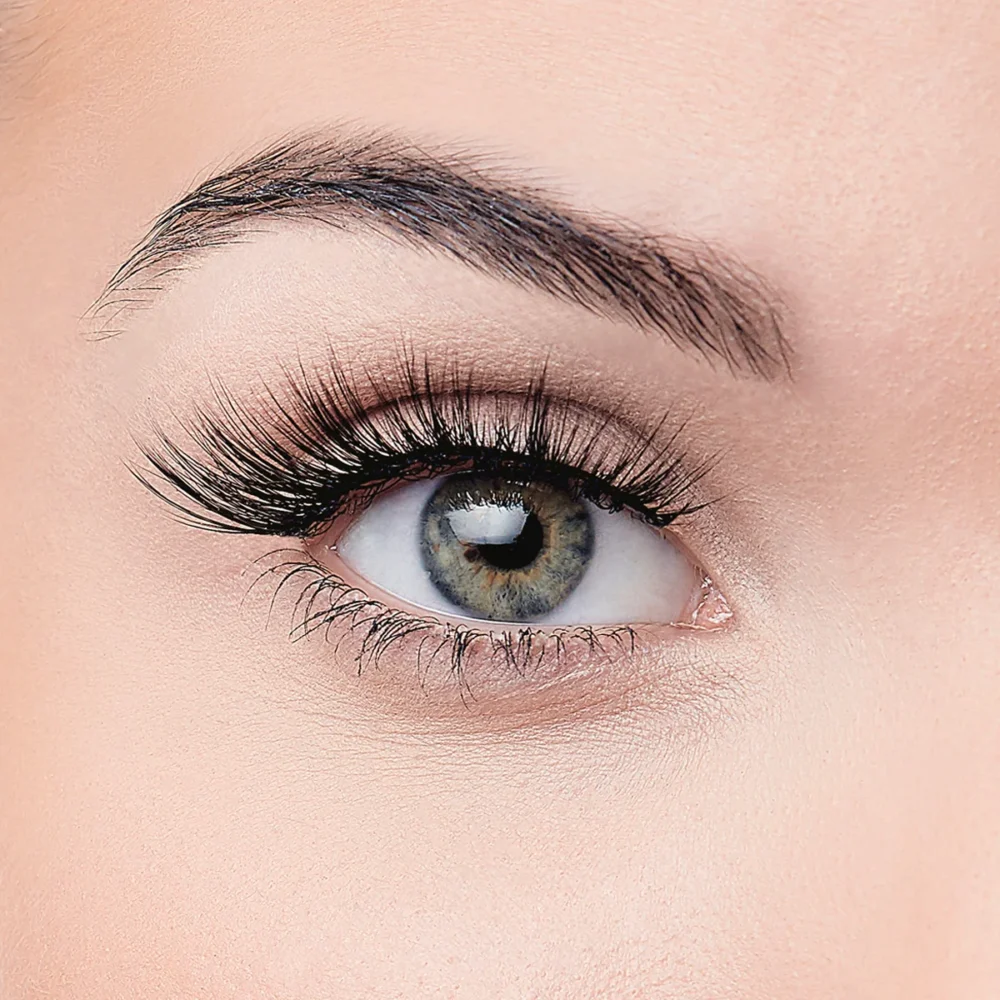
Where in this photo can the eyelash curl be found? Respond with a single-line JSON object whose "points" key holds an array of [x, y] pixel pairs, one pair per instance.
{"points": [[326, 447]]}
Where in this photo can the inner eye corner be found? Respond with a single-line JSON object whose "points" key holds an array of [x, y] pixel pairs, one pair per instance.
{"points": [[711, 611]]}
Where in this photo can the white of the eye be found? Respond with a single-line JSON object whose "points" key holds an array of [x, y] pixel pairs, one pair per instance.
{"points": [[488, 524], [635, 575]]}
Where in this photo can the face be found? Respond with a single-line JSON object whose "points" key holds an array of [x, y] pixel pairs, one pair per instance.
{"points": [[596, 412]]}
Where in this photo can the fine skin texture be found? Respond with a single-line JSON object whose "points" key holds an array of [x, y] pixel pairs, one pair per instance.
{"points": [[800, 804]]}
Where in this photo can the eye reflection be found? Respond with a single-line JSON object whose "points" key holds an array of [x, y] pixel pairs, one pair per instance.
{"points": [[493, 548], [503, 551]]}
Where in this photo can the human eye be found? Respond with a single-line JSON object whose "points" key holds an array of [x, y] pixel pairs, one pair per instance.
{"points": [[512, 549], [506, 532]]}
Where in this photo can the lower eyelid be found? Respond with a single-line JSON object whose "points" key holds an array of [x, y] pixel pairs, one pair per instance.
{"points": [[432, 667]]}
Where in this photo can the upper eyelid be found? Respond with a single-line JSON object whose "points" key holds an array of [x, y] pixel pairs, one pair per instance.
{"points": [[303, 446], [602, 495]]}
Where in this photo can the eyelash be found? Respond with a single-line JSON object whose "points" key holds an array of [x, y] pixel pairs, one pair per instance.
{"points": [[323, 450], [381, 627]]}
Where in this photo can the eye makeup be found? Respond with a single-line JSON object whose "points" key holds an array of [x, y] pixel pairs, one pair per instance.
{"points": [[307, 458]]}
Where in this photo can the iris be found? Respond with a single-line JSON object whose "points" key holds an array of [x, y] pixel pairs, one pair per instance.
{"points": [[503, 550]]}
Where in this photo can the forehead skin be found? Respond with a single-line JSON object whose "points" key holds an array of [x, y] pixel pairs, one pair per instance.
{"points": [[842, 839]]}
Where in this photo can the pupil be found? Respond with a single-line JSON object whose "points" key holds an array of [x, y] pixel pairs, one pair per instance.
{"points": [[517, 554], [535, 539]]}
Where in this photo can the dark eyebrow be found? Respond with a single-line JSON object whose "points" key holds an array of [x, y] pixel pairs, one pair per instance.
{"points": [[446, 201]]}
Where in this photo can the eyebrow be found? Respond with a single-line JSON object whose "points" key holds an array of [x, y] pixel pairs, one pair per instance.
{"points": [[447, 201], [18, 42]]}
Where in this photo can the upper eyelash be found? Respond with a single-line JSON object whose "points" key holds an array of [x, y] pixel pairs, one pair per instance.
{"points": [[319, 450]]}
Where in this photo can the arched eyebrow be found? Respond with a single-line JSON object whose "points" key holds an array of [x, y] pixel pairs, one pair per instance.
{"points": [[448, 202]]}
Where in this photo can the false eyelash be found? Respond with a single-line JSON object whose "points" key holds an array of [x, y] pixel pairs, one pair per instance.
{"points": [[321, 450], [326, 602]]}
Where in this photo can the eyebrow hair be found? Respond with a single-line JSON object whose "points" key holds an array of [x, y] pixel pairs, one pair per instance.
{"points": [[18, 42], [445, 201]]}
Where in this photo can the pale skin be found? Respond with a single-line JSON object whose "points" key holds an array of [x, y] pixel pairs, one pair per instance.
{"points": [[194, 806]]}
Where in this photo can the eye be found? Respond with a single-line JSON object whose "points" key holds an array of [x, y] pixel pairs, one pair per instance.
{"points": [[495, 548], [558, 532]]}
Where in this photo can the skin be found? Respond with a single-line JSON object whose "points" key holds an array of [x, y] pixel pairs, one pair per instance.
{"points": [[195, 807]]}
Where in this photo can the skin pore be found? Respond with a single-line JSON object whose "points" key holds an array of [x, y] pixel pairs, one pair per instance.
{"points": [[799, 804]]}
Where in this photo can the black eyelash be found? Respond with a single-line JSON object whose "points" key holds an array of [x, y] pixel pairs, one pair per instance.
{"points": [[323, 450], [326, 602]]}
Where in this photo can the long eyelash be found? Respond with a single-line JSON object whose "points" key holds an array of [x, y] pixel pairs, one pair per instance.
{"points": [[322, 449], [292, 469], [326, 602]]}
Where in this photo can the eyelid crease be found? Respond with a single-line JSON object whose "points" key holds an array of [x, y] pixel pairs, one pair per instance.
{"points": [[325, 445]]}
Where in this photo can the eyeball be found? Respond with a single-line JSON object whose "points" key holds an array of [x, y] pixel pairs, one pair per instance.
{"points": [[501, 550]]}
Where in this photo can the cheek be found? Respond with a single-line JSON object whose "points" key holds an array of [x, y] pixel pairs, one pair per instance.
{"points": [[231, 840]]}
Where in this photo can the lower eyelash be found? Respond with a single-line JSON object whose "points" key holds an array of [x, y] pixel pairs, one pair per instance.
{"points": [[326, 603]]}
